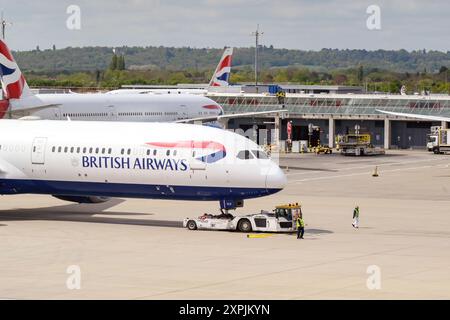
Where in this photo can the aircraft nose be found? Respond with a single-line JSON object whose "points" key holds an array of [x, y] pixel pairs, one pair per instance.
{"points": [[276, 179]]}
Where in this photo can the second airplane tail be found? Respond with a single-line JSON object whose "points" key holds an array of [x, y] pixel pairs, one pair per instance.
{"points": [[14, 85], [221, 75]]}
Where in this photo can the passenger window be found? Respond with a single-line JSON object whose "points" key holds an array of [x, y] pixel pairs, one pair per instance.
{"points": [[244, 155], [168, 153], [72, 149], [109, 151], [103, 150], [174, 153], [78, 150], [260, 154], [155, 152], [97, 150], [148, 152], [122, 151], [59, 149], [84, 150], [53, 149], [129, 151], [66, 149], [90, 150]]}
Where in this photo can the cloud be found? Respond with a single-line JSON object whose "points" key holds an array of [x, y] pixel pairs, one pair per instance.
{"points": [[301, 24]]}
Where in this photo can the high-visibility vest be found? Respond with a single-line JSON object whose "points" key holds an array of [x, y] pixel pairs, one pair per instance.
{"points": [[300, 223], [356, 213]]}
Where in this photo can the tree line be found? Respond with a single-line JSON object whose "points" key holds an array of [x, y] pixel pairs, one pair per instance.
{"points": [[168, 58], [380, 70]]}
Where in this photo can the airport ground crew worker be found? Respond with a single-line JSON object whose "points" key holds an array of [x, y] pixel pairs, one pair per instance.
{"points": [[300, 226], [297, 212], [355, 223]]}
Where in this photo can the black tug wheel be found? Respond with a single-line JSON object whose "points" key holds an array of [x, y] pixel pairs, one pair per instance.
{"points": [[244, 225], [191, 225]]}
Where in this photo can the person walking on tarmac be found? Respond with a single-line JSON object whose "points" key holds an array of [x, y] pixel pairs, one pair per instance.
{"points": [[355, 223], [300, 226]]}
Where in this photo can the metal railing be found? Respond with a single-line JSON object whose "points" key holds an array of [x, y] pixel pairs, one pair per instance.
{"points": [[335, 104]]}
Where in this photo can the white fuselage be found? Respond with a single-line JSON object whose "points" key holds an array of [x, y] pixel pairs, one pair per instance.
{"points": [[111, 107], [136, 160], [159, 91]]}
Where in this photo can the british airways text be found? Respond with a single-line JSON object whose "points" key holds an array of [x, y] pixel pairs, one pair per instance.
{"points": [[135, 164]]}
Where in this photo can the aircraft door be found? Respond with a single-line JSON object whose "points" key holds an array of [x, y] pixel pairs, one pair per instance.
{"points": [[112, 113], [197, 167], [183, 112], [56, 113], [38, 151]]}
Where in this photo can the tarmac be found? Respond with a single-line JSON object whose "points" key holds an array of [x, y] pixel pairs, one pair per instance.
{"points": [[137, 249]]}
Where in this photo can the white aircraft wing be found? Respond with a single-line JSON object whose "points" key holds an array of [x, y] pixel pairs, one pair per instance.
{"points": [[229, 116], [416, 116], [16, 113]]}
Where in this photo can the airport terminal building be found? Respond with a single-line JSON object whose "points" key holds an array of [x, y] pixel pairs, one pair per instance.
{"points": [[336, 110]]}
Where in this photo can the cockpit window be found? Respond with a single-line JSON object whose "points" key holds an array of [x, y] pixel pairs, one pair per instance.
{"points": [[259, 154], [245, 155]]}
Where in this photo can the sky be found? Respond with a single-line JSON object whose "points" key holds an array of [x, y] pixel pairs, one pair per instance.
{"points": [[291, 24]]}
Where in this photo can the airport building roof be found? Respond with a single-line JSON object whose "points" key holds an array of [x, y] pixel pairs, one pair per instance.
{"points": [[337, 105], [301, 88], [261, 88]]}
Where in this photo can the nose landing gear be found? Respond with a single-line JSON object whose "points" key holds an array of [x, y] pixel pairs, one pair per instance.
{"points": [[232, 204]]}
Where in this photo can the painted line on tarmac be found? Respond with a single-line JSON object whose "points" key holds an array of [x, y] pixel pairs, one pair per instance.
{"points": [[356, 174], [302, 173], [391, 164], [369, 166]]}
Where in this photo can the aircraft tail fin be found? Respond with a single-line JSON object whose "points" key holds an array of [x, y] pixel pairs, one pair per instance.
{"points": [[221, 75], [14, 85]]}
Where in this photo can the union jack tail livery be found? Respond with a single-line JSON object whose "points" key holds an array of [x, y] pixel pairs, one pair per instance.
{"points": [[13, 82], [222, 74]]}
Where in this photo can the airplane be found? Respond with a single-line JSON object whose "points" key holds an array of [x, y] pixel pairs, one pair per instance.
{"points": [[93, 161], [416, 116], [220, 78], [18, 101]]}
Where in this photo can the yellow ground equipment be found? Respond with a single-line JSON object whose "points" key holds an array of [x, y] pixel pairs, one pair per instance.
{"points": [[291, 210], [322, 150], [443, 142], [259, 235], [358, 145]]}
